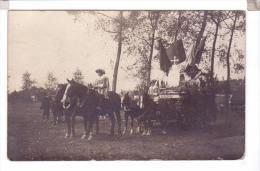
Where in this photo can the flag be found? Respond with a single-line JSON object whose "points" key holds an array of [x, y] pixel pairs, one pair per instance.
{"points": [[165, 62], [196, 52], [176, 52]]}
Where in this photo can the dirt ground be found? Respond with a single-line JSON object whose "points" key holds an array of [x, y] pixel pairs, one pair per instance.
{"points": [[31, 138]]}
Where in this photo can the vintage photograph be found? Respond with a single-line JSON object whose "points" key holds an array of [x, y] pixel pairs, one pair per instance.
{"points": [[126, 85]]}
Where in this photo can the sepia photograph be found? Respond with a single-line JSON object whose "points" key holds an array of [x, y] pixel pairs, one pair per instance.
{"points": [[126, 85]]}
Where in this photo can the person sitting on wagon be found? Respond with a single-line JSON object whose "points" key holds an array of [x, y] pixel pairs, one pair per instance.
{"points": [[154, 90]]}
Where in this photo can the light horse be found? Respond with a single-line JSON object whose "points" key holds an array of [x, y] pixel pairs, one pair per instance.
{"points": [[81, 100]]}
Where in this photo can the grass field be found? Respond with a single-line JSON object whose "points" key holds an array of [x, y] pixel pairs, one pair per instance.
{"points": [[31, 138]]}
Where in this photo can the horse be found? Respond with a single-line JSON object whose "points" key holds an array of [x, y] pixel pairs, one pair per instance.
{"points": [[150, 112], [132, 110], [78, 99], [57, 108]]}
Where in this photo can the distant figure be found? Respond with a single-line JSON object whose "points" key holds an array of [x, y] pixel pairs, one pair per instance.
{"points": [[45, 106], [182, 79], [102, 83]]}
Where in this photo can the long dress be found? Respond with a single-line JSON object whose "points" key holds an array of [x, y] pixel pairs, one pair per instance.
{"points": [[102, 85]]}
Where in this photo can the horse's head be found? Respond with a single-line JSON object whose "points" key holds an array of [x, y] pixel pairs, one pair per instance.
{"points": [[60, 92], [72, 92], [126, 102], [144, 98]]}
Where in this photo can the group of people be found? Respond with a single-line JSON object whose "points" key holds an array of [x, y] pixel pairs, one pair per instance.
{"points": [[102, 86]]}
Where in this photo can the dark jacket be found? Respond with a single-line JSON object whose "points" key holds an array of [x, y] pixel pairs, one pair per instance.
{"points": [[45, 103]]}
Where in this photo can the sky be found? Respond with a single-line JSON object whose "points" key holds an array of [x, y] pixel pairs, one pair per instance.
{"points": [[51, 41], [42, 42]]}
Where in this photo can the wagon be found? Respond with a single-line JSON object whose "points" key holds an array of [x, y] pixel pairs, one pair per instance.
{"points": [[188, 107], [170, 105]]}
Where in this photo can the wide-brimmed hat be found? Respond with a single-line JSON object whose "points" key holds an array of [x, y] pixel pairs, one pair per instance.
{"points": [[101, 71]]}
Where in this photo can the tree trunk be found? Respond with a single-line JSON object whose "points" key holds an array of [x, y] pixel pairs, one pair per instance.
{"points": [[228, 53], [204, 23], [119, 49], [213, 51], [149, 67], [178, 27], [150, 59]]}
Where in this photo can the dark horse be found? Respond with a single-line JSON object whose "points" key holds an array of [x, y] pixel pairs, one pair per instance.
{"points": [[81, 100], [144, 114], [132, 110], [57, 108], [150, 112]]}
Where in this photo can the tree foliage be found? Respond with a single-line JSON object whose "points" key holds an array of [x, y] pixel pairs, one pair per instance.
{"points": [[28, 82], [137, 32]]}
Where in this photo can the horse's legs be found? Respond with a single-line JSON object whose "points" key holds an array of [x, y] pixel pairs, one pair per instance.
{"points": [[112, 119], [85, 121], [126, 122], [68, 120], [149, 129], [145, 127], [97, 123], [118, 118], [163, 122], [138, 129], [73, 125], [91, 120], [132, 125], [144, 118], [141, 124], [58, 117], [61, 116], [54, 117]]}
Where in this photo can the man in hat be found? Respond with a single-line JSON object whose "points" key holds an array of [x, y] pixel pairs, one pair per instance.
{"points": [[102, 83]]}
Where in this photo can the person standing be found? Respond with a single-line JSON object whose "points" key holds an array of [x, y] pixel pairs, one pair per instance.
{"points": [[45, 106]]}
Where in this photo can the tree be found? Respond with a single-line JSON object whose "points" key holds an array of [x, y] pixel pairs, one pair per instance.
{"points": [[78, 76], [148, 26], [113, 25], [140, 42], [203, 26], [217, 17], [153, 18], [232, 29], [27, 81], [119, 49], [52, 82]]}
